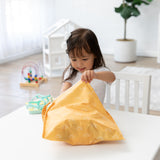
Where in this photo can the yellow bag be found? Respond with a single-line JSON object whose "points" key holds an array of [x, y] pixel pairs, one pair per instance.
{"points": [[78, 117]]}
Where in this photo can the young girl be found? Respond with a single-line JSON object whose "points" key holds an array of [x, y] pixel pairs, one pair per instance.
{"points": [[86, 62]]}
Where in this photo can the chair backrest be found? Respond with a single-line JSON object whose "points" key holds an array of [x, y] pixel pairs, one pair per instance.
{"points": [[125, 86]]}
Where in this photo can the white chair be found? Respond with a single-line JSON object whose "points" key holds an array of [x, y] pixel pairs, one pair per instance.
{"points": [[125, 86]]}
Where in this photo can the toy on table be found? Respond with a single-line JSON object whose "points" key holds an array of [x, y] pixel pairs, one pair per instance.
{"points": [[37, 103], [32, 75]]}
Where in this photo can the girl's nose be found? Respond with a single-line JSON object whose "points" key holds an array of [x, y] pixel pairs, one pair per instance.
{"points": [[79, 64]]}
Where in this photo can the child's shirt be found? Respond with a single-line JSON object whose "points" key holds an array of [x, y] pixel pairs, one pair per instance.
{"points": [[99, 86]]}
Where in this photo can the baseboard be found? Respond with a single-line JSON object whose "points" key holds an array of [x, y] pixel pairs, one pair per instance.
{"points": [[139, 53], [22, 55], [147, 53]]}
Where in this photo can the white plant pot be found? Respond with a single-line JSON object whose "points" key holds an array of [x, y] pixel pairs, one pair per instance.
{"points": [[125, 50]]}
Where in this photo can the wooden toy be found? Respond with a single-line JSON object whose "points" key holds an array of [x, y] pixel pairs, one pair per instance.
{"points": [[32, 75]]}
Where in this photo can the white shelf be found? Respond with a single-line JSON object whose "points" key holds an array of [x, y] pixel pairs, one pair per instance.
{"points": [[56, 52], [54, 36], [57, 36], [53, 53], [53, 68], [54, 72]]}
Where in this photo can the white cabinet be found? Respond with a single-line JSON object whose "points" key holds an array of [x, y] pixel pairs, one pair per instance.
{"points": [[55, 58]]}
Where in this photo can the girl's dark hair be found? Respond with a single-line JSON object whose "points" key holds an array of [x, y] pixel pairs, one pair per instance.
{"points": [[83, 39]]}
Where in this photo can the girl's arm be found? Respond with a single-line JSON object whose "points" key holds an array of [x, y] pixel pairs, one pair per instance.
{"points": [[106, 76], [65, 86]]}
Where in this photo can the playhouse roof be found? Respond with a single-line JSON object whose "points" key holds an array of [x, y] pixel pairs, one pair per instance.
{"points": [[58, 26]]}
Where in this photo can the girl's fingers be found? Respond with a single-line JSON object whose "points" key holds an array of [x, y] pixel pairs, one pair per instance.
{"points": [[88, 76], [91, 75], [83, 77]]}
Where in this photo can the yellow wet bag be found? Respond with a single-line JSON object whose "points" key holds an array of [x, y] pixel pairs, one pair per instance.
{"points": [[78, 117]]}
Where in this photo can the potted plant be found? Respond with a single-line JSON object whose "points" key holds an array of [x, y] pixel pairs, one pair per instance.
{"points": [[125, 49]]}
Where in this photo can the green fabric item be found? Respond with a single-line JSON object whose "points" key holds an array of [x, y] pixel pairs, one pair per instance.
{"points": [[37, 103]]}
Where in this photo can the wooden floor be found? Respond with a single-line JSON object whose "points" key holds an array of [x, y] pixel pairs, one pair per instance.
{"points": [[13, 97]]}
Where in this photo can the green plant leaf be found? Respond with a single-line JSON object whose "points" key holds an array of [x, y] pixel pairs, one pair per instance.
{"points": [[126, 12], [139, 2], [129, 11], [136, 2], [129, 1], [119, 9], [135, 12]]}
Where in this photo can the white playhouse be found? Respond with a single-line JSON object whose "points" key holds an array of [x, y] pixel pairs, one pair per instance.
{"points": [[54, 55]]}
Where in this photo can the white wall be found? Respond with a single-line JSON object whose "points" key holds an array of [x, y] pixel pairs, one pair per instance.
{"points": [[21, 31], [108, 25]]}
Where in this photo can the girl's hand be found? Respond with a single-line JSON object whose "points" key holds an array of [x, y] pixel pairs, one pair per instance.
{"points": [[88, 76]]}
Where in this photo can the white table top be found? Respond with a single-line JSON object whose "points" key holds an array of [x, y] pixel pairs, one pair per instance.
{"points": [[21, 139]]}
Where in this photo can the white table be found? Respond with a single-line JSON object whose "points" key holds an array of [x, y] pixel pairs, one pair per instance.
{"points": [[21, 139]]}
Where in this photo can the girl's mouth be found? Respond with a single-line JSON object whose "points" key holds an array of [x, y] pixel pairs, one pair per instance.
{"points": [[81, 69]]}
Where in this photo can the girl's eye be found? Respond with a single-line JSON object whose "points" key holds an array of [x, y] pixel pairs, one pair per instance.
{"points": [[73, 59], [85, 59]]}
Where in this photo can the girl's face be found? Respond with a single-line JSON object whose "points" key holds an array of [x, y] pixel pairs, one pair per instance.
{"points": [[82, 63]]}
